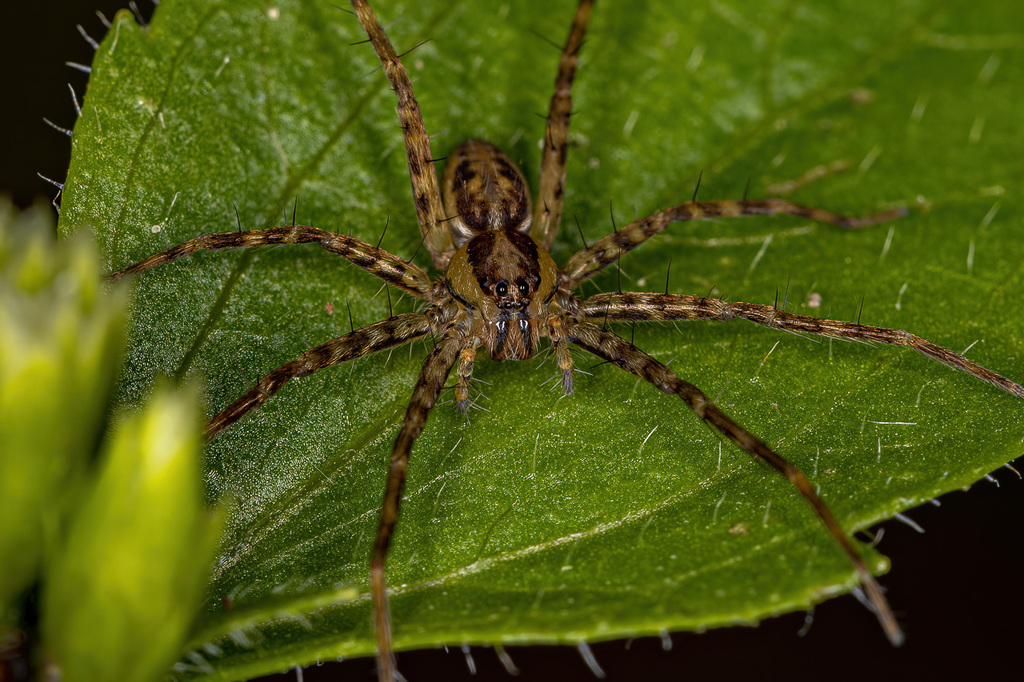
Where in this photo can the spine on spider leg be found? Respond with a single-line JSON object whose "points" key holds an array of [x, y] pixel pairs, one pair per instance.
{"points": [[629, 307], [624, 355], [607, 250]]}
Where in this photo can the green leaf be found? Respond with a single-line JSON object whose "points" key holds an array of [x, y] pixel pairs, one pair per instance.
{"points": [[612, 512]]}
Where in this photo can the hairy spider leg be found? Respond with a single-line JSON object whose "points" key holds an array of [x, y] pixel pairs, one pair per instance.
{"points": [[378, 262], [390, 333], [616, 350], [435, 372], [627, 307], [550, 194], [607, 250], [425, 191]]}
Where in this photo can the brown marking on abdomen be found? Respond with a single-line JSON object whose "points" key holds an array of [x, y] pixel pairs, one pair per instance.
{"points": [[484, 190]]}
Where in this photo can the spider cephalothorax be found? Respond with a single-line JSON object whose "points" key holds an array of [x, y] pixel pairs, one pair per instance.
{"points": [[502, 290]]}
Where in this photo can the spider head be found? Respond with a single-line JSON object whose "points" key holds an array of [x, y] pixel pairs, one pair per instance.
{"points": [[504, 279]]}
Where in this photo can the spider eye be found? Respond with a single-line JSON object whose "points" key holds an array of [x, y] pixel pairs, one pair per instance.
{"points": [[524, 288], [501, 288]]}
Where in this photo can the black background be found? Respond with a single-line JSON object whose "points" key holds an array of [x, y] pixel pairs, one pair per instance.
{"points": [[956, 589]]}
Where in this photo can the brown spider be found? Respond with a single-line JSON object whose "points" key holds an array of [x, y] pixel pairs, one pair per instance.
{"points": [[501, 290]]}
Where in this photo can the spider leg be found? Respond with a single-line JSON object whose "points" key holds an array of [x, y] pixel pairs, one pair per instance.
{"points": [[620, 352], [376, 261], [588, 262], [559, 342], [364, 341], [435, 371], [464, 374], [548, 211], [635, 306], [429, 209]]}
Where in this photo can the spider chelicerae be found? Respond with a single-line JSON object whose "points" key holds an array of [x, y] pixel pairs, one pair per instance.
{"points": [[501, 293]]}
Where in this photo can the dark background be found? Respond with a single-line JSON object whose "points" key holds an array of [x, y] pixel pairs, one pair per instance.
{"points": [[955, 624]]}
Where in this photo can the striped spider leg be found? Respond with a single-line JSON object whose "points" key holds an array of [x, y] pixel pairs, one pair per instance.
{"points": [[502, 291], [379, 336]]}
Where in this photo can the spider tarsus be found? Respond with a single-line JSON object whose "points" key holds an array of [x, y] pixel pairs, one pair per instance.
{"points": [[853, 223], [696, 188]]}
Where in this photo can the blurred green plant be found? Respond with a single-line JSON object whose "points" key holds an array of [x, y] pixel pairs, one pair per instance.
{"points": [[112, 529]]}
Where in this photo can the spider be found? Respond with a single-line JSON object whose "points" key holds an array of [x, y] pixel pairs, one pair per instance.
{"points": [[502, 293]]}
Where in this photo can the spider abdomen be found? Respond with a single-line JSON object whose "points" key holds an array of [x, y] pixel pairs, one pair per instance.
{"points": [[484, 190]]}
